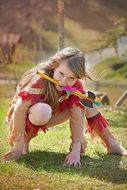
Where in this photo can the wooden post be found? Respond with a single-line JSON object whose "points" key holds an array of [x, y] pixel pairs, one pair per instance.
{"points": [[97, 85], [60, 6], [8, 46], [121, 99]]}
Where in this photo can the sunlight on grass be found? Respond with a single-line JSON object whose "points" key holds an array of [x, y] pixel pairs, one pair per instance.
{"points": [[43, 167]]}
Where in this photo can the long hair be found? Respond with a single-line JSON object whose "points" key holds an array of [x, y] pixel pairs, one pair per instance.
{"points": [[76, 62]]}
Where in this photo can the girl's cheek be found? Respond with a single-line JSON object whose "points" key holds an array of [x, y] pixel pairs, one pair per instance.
{"points": [[72, 83]]}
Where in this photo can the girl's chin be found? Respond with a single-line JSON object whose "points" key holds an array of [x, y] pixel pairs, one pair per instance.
{"points": [[59, 88]]}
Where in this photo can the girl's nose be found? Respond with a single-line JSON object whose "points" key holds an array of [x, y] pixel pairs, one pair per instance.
{"points": [[63, 81]]}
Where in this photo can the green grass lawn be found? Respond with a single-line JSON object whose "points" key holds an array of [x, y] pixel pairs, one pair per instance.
{"points": [[43, 167]]}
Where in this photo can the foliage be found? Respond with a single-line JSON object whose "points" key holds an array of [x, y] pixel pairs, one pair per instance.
{"points": [[121, 68], [123, 71], [110, 38]]}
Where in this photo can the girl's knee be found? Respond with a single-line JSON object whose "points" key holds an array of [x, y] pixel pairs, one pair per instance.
{"points": [[40, 114]]}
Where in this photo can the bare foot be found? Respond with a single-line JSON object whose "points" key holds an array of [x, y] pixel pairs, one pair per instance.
{"points": [[25, 148], [116, 148]]}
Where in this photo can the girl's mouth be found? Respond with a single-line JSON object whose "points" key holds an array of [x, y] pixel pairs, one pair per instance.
{"points": [[59, 87], [62, 87]]}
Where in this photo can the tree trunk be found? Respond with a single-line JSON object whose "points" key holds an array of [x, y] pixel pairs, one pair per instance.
{"points": [[60, 6]]}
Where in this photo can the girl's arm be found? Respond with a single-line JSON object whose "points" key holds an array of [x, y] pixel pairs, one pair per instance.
{"points": [[77, 129], [17, 132], [19, 117], [25, 97]]}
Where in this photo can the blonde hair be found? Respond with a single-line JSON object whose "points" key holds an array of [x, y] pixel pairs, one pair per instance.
{"points": [[74, 59]]}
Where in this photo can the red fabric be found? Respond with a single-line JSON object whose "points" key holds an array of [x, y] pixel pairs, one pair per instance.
{"points": [[25, 95], [99, 121], [33, 97], [40, 97], [34, 128], [68, 103]]}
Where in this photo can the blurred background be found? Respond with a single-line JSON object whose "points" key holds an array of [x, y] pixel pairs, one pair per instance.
{"points": [[31, 31]]}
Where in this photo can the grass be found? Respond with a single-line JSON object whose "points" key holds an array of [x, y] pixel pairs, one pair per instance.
{"points": [[43, 167]]}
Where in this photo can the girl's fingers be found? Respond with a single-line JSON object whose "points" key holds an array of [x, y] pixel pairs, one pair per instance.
{"points": [[71, 162], [75, 164]]}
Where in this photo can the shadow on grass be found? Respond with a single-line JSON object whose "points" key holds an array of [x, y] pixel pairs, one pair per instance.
{"points": [[105, 167]]}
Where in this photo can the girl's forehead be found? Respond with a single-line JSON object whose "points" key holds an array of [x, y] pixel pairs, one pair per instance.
{"points": [[63, 67]]}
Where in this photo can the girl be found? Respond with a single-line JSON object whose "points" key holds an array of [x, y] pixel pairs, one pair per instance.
{"points": [[41, 104]]}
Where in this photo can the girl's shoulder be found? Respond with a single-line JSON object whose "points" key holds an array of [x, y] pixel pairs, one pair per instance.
{"points": [[37, 82], [34, 91]]}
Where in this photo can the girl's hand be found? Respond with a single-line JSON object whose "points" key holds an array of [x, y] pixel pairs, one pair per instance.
{"points": [[73, 158], [14, 153]]}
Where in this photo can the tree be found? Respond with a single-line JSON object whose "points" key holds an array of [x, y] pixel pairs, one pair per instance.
{"points": [[8, 45], [60, 7], [112, 35]]}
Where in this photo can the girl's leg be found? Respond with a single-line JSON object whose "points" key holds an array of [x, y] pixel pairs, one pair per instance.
{"points": [[76, 124], [78, 145], [110, 142], [97, 125], [58, 118], [52, 120], [28, 138], [39, 114]]}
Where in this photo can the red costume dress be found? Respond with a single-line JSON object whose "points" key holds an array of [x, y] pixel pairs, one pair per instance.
{"points": [[35, 93]]}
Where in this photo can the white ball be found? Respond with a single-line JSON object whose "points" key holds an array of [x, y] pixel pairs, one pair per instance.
{"points": [[40, 114]]}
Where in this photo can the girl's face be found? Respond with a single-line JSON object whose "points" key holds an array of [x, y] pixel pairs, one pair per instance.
{"points": [[64, 76]]}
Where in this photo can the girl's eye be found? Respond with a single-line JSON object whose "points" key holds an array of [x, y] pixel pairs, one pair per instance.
{"points": [[61, 74], [71, 79]]}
